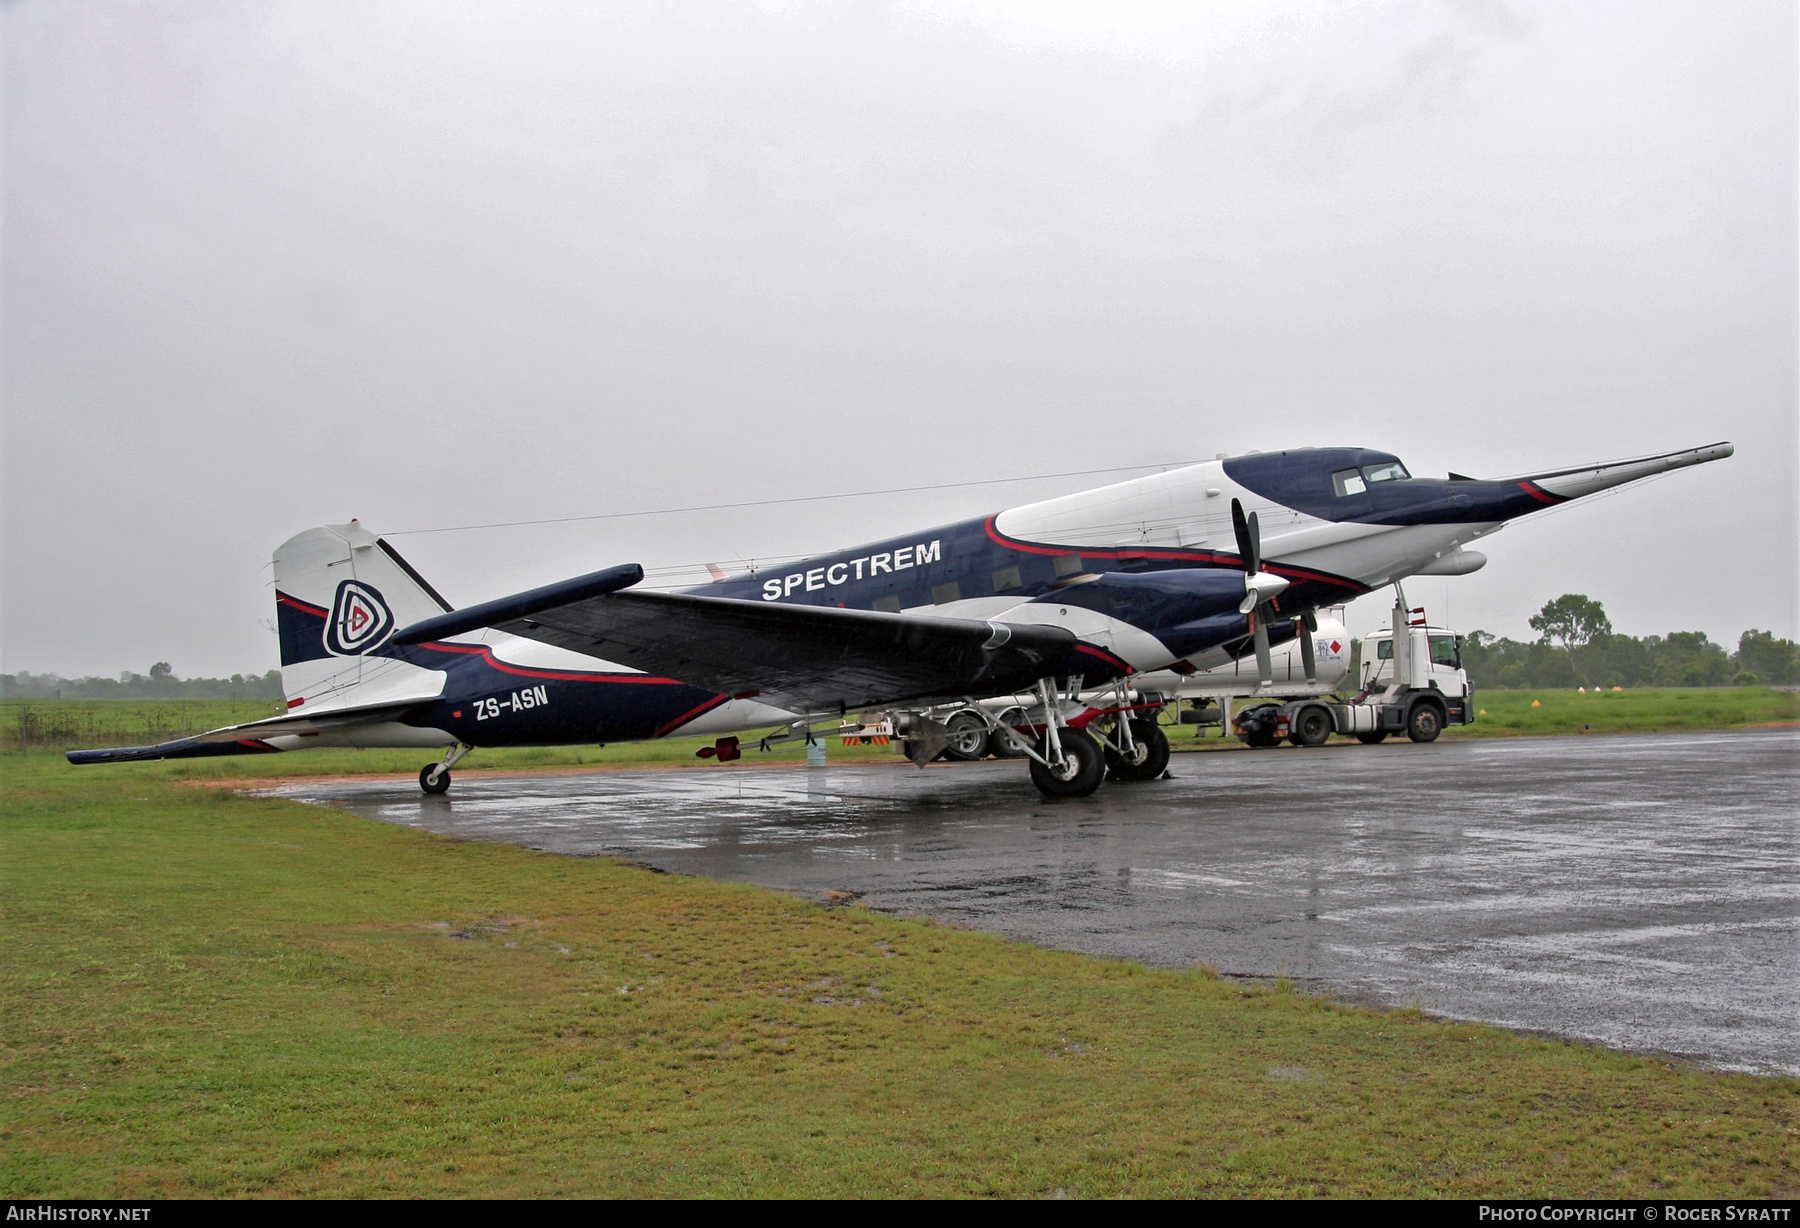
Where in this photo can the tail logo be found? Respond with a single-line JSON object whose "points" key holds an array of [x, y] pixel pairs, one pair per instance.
{"points": [[360, 620]]}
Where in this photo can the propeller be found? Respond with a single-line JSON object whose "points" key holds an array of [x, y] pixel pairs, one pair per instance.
{"points": [[1305, 627], [1260, 589]]}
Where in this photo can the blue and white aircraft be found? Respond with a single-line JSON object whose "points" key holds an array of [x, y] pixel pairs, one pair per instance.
{"points": [[1038, 604]]}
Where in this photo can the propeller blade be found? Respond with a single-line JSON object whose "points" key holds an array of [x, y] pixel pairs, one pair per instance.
{"points": [[1311, 620], [1265, 668], [1241, 529], [1254, 562], [1307, 658]]}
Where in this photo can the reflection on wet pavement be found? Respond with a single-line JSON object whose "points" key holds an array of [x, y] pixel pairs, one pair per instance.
{"points": [[1635, 890]]}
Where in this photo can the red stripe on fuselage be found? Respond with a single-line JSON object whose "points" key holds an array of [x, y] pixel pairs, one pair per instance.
{"points": [[691, 714], [1540, 494], [1234, 561], [487, 654]]}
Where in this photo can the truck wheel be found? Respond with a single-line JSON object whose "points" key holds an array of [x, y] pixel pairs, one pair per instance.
{"points": [[968, 737], [1310, 728], [1152, 746], [1001, 748], [1424, 722], [1371, 737], [1256, 725], [1083, 766]]}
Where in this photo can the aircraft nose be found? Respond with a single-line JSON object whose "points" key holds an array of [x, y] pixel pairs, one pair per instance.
{"points": [[1589, 479]]}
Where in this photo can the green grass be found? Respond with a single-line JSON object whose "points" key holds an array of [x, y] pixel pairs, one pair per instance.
{"points": [[1510, 713], [208, 994], [64, 723]]}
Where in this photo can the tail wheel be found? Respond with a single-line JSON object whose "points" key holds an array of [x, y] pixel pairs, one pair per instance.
{"points": [[968, 737], [1083, 766], [1150, 753], [1310, 728], [1424, 722], [438, 784], [1371, 737], [1001, 748]]}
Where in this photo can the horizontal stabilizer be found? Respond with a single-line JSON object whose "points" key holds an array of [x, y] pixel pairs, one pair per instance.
{"points": [[180, 748]]}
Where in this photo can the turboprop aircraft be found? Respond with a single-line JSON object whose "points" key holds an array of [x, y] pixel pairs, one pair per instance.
{"points": [[1182, 570]]}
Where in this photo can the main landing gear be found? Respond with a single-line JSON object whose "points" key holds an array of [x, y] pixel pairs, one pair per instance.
{"points": [[1146, 757], [434, 778], [1076, 772], [1071, 762]]}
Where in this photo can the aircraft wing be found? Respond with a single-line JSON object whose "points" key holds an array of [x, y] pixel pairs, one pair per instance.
{"points": [[797, 657]]}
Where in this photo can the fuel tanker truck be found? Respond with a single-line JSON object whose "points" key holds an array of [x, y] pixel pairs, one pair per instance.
{"points": [[1200, 698], [1412, 682]]}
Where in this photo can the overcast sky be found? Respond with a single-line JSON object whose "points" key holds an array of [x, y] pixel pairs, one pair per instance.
{"points": [[272, 265]]}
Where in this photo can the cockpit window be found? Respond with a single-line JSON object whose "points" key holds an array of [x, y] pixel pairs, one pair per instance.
{"points": [[1347, 482], [1392, 471]]}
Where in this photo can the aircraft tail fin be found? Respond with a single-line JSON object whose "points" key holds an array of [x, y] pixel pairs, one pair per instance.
{"points": [[340, 594]]}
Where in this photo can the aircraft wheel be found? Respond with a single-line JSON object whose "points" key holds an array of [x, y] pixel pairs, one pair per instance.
{"points": [[440, 785], [1424, 722], [1082, 770], [968, 737], [1152, 757], [999, 746], [1311, 728]]}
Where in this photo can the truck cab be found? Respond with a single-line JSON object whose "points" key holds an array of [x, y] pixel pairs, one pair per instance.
{"points": [[1439, 648], [1412, 681]]}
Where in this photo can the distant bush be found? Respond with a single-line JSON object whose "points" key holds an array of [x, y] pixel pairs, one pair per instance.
{"points": [[1577, 647]]}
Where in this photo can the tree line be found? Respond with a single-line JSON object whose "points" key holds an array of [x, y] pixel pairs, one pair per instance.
{"points": [[159, 683], [1577, 646]]}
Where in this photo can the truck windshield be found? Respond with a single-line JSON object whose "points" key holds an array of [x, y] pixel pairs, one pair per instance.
{"points": [[1443, 651], [1393, 471]]}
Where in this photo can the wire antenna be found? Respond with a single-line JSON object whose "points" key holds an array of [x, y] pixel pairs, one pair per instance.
{"points": [[847, 494]]}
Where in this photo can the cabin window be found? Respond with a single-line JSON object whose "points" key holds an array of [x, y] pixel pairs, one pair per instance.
{"points": [[1068, 564], [1384, 650], [1443, 651], [944, 594], [1393, 471], [1005, 578], [887, 605], [1348, 482]]}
